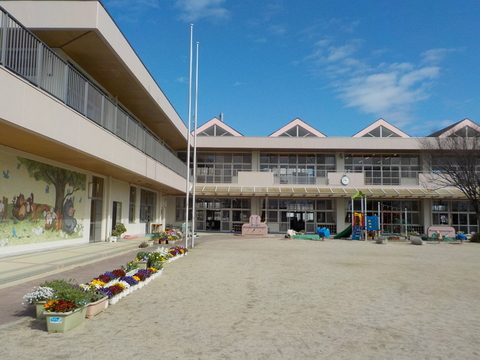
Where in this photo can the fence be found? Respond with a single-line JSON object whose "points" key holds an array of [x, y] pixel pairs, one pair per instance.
{"points": [[27, 56]]}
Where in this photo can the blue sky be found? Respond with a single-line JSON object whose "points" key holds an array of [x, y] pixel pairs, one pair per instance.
{"points": [[338, 65]]}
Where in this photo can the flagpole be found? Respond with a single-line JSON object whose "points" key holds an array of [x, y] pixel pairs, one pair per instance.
{"points": [[189, 116], [195, 114]]}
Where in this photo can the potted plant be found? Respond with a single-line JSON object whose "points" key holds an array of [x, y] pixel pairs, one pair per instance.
{"points": [[38, 297], [67, 309], [98, 300], [155, 260], [117, 232], [142, 259], [156, 237]]}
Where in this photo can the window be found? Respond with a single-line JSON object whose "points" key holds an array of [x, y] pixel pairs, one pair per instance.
{"points": [[385, 169], [132, 202], [147, 206], [221, 167], [297, 168]]}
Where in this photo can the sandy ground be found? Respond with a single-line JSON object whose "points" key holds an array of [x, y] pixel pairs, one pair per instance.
{"points": [[245, 298]]}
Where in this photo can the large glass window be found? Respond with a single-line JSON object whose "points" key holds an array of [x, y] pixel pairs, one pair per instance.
{"points": [[385, 169], [305, 214], [297, 168], [458, 214], [132, 204], [397, 213], [147, 205], [220, 167], [217, 214]]}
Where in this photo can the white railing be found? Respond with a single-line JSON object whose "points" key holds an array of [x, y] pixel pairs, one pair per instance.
{"points": [[27, 56]]}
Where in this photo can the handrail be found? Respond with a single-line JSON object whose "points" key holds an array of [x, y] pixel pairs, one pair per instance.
{"points": [[27, 56]]}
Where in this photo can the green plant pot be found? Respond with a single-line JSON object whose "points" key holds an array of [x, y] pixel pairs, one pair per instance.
{"points": [[141, 264], [63, 322], [40, 308]]}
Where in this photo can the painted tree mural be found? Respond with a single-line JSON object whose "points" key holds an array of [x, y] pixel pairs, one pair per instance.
{"points": [[58, 177]]}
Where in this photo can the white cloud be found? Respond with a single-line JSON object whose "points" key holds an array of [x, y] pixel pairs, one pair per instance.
{"points": [[336, 53], [388, 92], [193, 10], [434, 56], [326, 53], [387, 89]]}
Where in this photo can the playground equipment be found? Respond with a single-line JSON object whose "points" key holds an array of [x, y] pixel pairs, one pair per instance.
{"points": [[345, 233], [323, 232], [360, 222]]}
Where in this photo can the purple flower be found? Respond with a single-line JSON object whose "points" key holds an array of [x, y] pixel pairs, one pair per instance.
{"points": [[106, 291], [112, 275], [130, 280]]}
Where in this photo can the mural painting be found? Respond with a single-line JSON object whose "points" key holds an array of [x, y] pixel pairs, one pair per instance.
{"points": [[39, 202]]}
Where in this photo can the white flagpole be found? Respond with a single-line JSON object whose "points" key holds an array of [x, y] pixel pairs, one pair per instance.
{"points": [[195, 114], [189, 116]]}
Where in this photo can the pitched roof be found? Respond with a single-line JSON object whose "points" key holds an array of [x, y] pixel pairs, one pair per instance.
{"points": [[297, 128], [461, 127], [216, 127], [381, 128]]}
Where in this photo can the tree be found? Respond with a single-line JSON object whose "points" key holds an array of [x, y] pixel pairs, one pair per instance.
{"points": [[454, 161], [57, 177]]}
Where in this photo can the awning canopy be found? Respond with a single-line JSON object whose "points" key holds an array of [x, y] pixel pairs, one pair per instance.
{"points": [[298, 191]]}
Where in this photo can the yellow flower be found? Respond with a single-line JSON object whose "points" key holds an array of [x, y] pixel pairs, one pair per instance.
{"points": [[97, 282], [121, 285]]}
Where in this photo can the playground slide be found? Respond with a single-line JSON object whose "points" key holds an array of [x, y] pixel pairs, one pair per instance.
{"points": [[345, 233]]}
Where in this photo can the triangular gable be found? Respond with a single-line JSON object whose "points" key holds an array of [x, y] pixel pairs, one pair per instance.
{"points": [[381, 128], [216, 127], [297, 128], [463, 128]]}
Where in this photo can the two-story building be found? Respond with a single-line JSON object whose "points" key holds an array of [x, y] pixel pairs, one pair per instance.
{"points": [[88, 140], [87, 137], [298, 178]]}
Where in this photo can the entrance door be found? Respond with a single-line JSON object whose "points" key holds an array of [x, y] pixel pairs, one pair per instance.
{"points": [[297, 221], [302, 220], [96, 221], [96, 209], [213, 220], [116, 213]]}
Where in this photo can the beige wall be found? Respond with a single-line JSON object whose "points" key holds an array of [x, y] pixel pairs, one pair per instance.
{"points": [[24, 105], [91, 15]]}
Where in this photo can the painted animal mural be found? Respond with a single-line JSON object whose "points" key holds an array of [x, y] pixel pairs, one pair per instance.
{"points": [[22, 207], [39, 202], [69, 222], [54, 220]]}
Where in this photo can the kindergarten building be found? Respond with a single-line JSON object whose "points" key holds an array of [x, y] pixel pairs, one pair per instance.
{"points": [[88, 140]]}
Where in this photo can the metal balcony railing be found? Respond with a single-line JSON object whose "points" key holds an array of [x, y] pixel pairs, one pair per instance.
{"points": [[27, 56]]}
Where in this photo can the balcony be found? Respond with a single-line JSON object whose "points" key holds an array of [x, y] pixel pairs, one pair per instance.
{"points": [[27, 56]]}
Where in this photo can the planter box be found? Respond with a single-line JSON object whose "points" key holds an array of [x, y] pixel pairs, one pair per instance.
{"points": [[141, 264], [40, 308], [96, 307], [63, 322], [114, 299], [132, 272]]}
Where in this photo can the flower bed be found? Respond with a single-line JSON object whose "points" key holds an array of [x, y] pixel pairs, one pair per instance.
{"points": [[65, 297]]}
